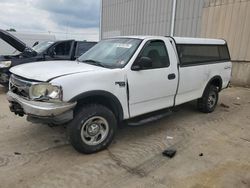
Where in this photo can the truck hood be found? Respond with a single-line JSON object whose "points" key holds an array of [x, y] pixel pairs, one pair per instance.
{"points": [[48, 70], [13, 41]]}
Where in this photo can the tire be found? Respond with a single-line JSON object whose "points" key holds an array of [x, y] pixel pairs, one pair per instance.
{"points": [[209, 100], [92, 129]]}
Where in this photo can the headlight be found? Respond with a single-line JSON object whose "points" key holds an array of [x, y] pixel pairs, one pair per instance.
{"points": [[5, 64], [45, 91]]}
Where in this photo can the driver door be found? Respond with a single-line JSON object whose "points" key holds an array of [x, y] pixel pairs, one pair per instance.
{"points": [[153, 88]]}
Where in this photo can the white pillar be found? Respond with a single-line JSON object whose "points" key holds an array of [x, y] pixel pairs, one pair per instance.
{"points": [[173, 18], [100, 20]]}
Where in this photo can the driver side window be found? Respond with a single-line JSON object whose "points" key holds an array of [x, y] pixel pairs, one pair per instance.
{"points": [[157, 52], [62, 49]]}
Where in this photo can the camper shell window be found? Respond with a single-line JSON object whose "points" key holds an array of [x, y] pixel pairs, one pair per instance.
{"points": [[195, 54]]}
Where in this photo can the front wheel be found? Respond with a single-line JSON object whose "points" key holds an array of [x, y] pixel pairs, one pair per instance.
{"points": [[92, 129], [209, 99]]}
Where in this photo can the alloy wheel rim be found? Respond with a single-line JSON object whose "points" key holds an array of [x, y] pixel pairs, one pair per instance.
{"points": [[94, 130], [212, 99]]}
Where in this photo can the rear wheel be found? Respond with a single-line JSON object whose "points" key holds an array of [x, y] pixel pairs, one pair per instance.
{"points": [[209, 100], [92, 129]]}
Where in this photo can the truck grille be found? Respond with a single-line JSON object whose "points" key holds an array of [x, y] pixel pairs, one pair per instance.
{"points": [[20, 86]]}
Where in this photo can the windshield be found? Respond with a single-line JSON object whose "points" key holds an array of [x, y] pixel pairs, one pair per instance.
{"points": [[42, 46], [111, 53]]}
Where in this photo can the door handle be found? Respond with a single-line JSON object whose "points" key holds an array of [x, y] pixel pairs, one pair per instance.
{"points": [[171, 76]]}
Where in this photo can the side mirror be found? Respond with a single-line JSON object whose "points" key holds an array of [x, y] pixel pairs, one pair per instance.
{"points": [[142, 63]]}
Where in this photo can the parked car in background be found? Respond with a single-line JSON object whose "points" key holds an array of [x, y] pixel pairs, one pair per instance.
{"points": [[28, 38], [120, 79], [45, 51]]}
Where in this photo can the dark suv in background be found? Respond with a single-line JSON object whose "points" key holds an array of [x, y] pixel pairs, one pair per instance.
{"points": [[44, 51]]}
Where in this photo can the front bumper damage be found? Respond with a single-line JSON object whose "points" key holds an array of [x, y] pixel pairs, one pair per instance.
{"points": [[41, 112]]}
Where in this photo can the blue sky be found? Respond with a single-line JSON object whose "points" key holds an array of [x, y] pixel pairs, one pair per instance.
{"points": [[65, 18]]}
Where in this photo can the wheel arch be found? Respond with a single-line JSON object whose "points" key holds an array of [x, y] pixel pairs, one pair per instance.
{"points": [[101, 97], [216, 81]]}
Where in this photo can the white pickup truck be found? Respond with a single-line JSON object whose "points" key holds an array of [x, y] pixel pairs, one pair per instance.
{"points": [[122, 78]]}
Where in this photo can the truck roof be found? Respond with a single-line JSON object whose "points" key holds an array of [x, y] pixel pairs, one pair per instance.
{"points": [[181, 40], [187, 40]]}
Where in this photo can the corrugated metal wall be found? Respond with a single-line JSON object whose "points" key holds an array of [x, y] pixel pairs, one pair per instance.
{"points": [[194, 18], [188, 18], [136, 17], [150, 17], [229, 19]]}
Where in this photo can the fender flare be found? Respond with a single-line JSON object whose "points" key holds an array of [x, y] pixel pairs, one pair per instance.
{"points": [[101, 93]]}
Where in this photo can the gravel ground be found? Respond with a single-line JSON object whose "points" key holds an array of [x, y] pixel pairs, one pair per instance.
{"points": [[35, 155]]}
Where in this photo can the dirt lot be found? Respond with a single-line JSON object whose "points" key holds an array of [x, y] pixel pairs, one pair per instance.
{"points": [[39, 156]]}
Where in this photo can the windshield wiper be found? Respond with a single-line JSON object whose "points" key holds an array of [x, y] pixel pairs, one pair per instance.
{"points": [[93, 62]]}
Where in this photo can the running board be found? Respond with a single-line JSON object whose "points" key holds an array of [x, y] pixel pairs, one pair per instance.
{"points": [[148, 118]]}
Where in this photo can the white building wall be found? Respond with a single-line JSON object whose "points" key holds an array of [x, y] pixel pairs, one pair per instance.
{"points": [[150, 17]]}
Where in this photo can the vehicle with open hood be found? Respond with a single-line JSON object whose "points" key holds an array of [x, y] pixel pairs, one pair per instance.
{"points": [[44, 51], [120, 79]]}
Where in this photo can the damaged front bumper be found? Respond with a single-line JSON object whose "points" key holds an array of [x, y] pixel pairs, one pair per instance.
{"points": [[41, 112]]}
